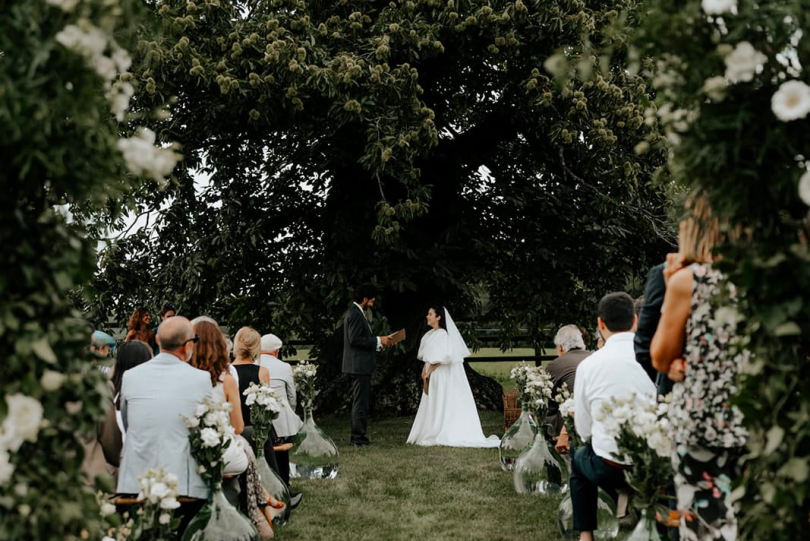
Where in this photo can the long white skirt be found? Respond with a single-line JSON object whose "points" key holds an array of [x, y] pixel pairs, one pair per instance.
{"points": [[236, 461], [448, 416]]}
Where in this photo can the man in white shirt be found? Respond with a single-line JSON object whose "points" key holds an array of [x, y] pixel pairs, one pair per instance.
{"points": [[610, 372]]}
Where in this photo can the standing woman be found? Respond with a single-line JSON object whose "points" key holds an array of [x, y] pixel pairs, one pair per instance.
{"points": [[700, 352], [139, 328]]}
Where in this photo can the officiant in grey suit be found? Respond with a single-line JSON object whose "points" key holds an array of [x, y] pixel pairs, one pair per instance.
{"points": [[359, 358]]}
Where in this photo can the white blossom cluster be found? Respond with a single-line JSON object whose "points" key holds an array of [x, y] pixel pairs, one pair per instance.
{"points": [[159, 488], [144, 158], [520, 375], [304, 370], [213, 420], [21, 424], [264, 396], [112, 63], [538, 390], [642, 416], [743, 62]]}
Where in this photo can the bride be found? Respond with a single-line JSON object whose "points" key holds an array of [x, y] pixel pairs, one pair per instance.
{"points": [[447, 414]]}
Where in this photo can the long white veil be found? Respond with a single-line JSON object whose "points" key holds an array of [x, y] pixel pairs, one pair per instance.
{"points": [[458, 349]]}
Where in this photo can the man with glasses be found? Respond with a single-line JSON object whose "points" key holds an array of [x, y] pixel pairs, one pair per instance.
{"points": [[154, 398]]}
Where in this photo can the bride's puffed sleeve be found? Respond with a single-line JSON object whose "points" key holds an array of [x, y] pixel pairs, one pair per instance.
{"points": [[435, 348]]}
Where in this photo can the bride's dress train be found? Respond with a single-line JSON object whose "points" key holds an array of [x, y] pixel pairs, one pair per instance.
{"points": [[447, 415]]}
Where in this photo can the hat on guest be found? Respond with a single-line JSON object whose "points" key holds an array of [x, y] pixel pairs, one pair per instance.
{"points": [[271, 342]]}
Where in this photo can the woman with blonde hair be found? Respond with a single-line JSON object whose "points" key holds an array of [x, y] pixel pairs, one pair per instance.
{"points": [[211, 355], [700, 352]]}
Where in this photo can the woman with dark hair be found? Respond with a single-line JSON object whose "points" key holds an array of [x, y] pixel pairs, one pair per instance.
{"points": [[447, 414], [139, 327], [103, 449]]}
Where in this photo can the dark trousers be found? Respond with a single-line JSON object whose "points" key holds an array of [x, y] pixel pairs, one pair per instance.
{"points": [[589, 473], [283, 461], [269, 454], [361, 393]]}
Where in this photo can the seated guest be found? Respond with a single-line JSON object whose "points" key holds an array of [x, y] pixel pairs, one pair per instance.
{"points": [[282, 382], [563, 369], [100, 343], [103, 448], [610, 372], [154, 397], [210, 355]]}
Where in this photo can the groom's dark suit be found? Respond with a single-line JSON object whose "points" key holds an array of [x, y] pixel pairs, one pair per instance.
{"points": [[359, 361]]}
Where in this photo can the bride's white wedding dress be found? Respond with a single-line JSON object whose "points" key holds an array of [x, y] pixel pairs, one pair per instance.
{"points": [[447, 414]]}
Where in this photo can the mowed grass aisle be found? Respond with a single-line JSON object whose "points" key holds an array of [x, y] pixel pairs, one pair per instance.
{"points": [[394, 491]]}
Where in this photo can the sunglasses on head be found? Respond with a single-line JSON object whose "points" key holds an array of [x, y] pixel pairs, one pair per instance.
{"points": [[192, 340]]}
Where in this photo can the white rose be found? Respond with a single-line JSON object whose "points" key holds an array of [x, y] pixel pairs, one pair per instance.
{"points": [[107, 509], [743, 62], [52, 380], [791, 101], [169, 503], [24, 416], [201, 409], [250, 400], [193, 423], [718, 7], [804, 188], [210, 437], [201, 469], [158, 491], [6, 468], [165, 518]]}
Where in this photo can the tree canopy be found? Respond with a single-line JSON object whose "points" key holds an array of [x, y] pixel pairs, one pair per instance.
{"points": [[479, 154]]}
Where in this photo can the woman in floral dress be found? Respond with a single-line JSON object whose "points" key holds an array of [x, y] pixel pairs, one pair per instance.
{"points": [[697, 346]]}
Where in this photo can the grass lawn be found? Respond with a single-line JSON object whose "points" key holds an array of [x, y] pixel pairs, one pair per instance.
{"points": [[394, 491]]}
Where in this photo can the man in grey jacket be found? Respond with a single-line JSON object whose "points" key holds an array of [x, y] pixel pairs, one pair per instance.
{"points": [[359, 358], [154, 397]]}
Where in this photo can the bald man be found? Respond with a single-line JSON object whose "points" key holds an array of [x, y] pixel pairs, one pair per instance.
{"points": [[154, 398]]}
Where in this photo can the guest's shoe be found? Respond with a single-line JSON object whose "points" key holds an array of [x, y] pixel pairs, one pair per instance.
{"points": [[360, 443], [295, 500], [275, 508]]}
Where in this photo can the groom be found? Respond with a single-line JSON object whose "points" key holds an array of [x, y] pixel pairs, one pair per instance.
{"points": [[359, 349]]}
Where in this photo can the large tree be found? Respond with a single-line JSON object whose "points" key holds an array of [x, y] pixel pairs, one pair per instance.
{"points": [[474, 153]]}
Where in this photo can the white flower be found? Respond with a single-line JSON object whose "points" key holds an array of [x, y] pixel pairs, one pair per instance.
{"points": [[193, 423], [201, 410], [121, 59], [169, 503], [107, 509], [791, 101], [142, 157], [66, 5], [165, 518], [23, 419], [119, 96], [201, 469], [158, 491], [715, 88], [804, 188], [6, 468], [89, 41], [718, 7], [51, 380], [210, 437], [743, 62], [250, 399]]}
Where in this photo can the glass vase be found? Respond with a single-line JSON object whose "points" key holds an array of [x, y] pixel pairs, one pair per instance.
{"points": [[517, 439], [646, 529], [540, 469], [606, 519], [218, 520], [276, 487], [314, 455]]}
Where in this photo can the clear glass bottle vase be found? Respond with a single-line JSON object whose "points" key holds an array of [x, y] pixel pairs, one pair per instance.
{"points": [[314, 455], [540, 469], [646, 529], [275, 486], [517, 439], [218, 520], [608, 524]]}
